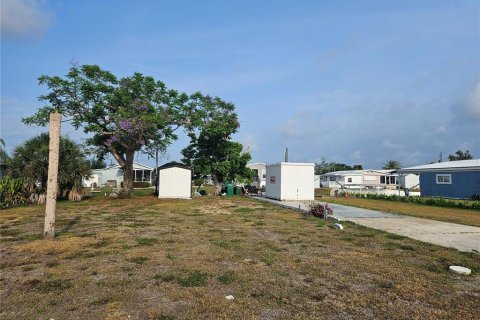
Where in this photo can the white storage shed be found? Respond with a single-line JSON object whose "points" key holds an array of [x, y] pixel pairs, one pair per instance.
{"points": [[290, 181], [174, 181]]}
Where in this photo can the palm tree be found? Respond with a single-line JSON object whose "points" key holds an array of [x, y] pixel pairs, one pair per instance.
{"points": [[392, 165], [3, 158], [30, 162]]}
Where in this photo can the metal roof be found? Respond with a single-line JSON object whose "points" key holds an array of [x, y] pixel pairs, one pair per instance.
{"points": [[357, 172], [460, 165]]}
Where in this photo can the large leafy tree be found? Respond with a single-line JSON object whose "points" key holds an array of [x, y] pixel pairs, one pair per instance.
{"points": [[325, 167], [211, 151], [460, 155], [29, 161], [392, 165], [121, 115]]}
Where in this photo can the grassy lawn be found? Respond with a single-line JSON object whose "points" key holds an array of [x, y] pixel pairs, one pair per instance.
{"points": [[146, 258], [461, 216]]}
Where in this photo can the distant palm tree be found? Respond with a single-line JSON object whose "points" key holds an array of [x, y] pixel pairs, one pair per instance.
{"points": [[3, 152], [392, 165]]}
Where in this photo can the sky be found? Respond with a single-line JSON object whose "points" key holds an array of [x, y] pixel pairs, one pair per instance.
{"points": [[356, 82]]}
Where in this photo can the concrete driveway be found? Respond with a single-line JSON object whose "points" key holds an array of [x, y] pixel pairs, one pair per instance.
{"points": [[461, 237]]}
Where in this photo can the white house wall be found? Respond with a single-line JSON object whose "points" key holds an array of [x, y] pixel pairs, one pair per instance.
{"points": [[409, 181], [175, 183]]}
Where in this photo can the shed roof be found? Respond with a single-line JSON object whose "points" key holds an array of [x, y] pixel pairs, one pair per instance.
{"points": [[460, 165], [174, 164]]}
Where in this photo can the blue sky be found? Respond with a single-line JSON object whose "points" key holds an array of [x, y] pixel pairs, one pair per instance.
{"points": [[358, 82]]}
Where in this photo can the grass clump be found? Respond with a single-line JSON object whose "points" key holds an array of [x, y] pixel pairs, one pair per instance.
{"points": [[227, 277], [194, 279], [220, 243], [146, 241], [268, 259], [138, 260]]}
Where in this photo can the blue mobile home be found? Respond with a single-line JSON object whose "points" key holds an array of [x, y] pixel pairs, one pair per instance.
{"points": [[452, 179]]}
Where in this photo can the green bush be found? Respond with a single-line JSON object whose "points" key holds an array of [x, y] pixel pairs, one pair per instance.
{"points": [[13, 192], [141, 184]]}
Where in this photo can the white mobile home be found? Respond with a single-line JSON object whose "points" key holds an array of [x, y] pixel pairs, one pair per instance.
{"points": [[358, 179], [260, 173], [290, 181], [174, 181], [113, 176]]}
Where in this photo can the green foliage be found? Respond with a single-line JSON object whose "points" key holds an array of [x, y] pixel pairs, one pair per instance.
{"points": [[460, 155], [128, 115], [325, 167], [211, 151], [194, 279], [227, 277], [29, 162], [97, 163], [392, 165], [12, 192], [3, 153], [141, 184], [437, 202]]}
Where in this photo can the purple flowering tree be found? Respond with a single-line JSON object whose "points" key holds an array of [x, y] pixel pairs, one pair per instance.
{"points": [[121, 116]]}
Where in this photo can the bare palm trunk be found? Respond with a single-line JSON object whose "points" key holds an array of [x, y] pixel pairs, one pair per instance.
{"points": [[52, 184]]}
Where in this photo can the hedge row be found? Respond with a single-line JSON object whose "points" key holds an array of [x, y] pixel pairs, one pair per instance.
{"points": [[437, 202]]}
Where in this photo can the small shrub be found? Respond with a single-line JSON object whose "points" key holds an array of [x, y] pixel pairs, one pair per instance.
{"points": [[320, 210], [13, 192], [141, 184]]}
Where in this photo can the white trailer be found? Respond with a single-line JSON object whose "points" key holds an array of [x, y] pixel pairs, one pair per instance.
{"points": [[290, 181], [174, 181]]}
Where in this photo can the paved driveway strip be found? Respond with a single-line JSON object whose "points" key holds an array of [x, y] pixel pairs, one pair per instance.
{"points": [[461, 237]]}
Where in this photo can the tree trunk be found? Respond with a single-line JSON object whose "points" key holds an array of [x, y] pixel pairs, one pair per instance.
{"points": [[128, 175], [52, 184], [218, 185]]}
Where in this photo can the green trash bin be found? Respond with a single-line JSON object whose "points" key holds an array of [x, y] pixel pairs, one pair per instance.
{"points": [[238, 191], [230, 189]]}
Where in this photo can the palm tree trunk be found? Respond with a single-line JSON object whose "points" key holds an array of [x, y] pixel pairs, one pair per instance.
{"points": [[52, 184]]}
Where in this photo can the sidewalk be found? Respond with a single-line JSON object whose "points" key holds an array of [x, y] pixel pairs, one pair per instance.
{"points": [[461, 237]]}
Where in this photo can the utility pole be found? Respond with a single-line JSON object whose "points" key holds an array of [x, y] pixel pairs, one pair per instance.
{"points": [[440, 157], [52, 184], [286, 154]]}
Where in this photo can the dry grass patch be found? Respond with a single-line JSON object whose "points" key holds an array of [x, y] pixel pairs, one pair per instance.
{"points": [[147, 258]]}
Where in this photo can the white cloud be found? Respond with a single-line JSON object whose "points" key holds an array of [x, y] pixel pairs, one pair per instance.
{"points": [[473, 103], [387, 143], [24, 18]]}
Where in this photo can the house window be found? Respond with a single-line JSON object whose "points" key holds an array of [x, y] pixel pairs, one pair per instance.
{"points": [[332, 178], [349, 179], [444, 179], [382, 179]]}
